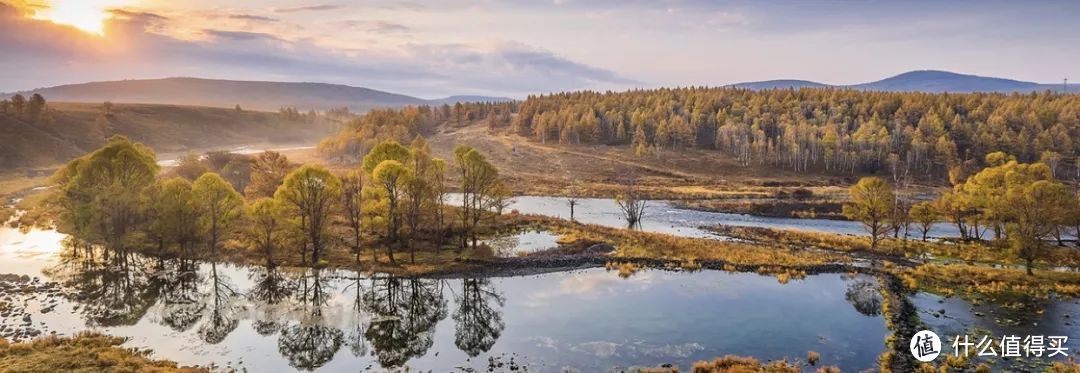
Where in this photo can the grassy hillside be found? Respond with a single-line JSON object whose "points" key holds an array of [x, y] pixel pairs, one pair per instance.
{"points": [[68, 130], [603, 170]]}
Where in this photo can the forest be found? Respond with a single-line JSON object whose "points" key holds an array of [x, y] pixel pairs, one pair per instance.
{"points": [[818, 130], [918, 136], [363, 132]]}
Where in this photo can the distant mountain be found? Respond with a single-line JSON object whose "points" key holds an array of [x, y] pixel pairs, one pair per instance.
{"points": [[257, 95], [780, 84], [934, 81], [467, 98]]}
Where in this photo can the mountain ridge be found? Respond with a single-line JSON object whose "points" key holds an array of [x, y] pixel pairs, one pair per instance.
{"points": [[249, 94], [930, 81]]}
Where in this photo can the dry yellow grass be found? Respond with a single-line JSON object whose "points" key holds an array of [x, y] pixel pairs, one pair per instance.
{"points": [[85, 352], [990, 282], [969, 252], [637, 244], [11, 182], [739, 364]]}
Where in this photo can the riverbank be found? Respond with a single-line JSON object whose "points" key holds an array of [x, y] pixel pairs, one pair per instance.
{"points": [[974, 271], [938, 251], [773, 207]]}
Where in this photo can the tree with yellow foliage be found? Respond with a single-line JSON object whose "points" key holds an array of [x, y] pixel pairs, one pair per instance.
{"points": [[872, 203]]}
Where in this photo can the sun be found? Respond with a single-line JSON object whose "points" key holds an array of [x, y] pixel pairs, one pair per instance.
{"points": [[85, 15]]}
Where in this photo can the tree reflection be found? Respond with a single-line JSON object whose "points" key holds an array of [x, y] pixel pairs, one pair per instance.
{"points": [[478, 318], [181, 301], [222, 318], [116, 290], [309, 344], [357, 344], [404, 314], [864, 296], [271, 289]]}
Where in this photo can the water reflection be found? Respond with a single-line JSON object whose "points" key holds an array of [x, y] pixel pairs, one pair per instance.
{"points": [[865, 297], [221, 301], [478, 316], [309, 343], [115, 289], [271, 289], [181, 301], [356, 339], [404, 314], [198, 313]]}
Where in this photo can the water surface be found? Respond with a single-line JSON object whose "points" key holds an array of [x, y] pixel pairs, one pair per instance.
{"points": [[665, 217], [950, 317], [590, 320]]}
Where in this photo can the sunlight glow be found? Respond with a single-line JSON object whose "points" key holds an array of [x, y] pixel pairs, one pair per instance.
{"points": [[86, 15]]}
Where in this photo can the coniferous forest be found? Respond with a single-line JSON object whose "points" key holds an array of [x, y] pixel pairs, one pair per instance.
{"points": [[921, 136]]}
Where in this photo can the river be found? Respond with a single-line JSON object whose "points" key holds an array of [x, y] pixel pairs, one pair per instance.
{"points": [[665, 217]]}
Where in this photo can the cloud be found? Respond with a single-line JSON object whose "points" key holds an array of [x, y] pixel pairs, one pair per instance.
{"points": [[380, 27], [252, 17], [310, 8], [384, 27], [241, 35], [410, 5], [525, 58], [137, 15], [135, 46]]}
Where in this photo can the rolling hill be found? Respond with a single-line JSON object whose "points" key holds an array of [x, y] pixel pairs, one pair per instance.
{"points": [[780, 84], [933, 81], [257, 95], [69, 130]]}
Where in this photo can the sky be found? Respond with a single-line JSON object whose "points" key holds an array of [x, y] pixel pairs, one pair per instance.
{"points": [[515, 48]]}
